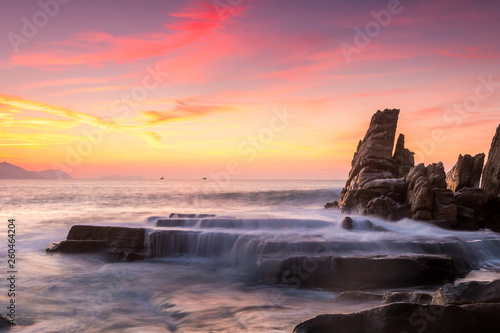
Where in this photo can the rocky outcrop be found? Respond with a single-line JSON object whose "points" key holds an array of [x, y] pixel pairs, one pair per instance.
{"points": [[491, 172], [468, 293], [466, 173], [343, 273], [375, 171], [123, 243], [427, 195], [394, 318], [393, 188]]}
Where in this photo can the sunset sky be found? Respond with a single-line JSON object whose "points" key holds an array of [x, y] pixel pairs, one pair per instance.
{"points": [[258, 89]]}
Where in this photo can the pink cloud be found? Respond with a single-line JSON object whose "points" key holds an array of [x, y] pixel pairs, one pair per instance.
{"points": [[98, 48]]}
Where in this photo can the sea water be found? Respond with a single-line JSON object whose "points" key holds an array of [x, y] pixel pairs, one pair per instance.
{"points": [[209, 283]]}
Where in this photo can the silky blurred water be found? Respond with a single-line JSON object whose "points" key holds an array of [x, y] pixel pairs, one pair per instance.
{"points": [[191, 293]]}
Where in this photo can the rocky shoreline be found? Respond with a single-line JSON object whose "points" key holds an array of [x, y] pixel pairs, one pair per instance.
{"points": [[383, 184]]}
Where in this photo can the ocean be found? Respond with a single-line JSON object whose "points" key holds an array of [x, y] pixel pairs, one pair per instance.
{"points": [[213, 285]]}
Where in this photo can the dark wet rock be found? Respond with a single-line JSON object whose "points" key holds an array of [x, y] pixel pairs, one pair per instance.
{"points": [[190, 216], [177, 222], [358, 296], [478, 208], [343, 273], [394, 318], [4, 321], [121, 242], [468, 292], [387, 208], [466, 173], [408, 297], [347, 223], [485, 315], [469, 219], [491, 172], [403, 158], [332, 205], [77, 246]]}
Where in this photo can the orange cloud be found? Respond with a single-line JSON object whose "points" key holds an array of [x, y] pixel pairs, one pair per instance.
{"points": [[183, 111], [154, 139]]}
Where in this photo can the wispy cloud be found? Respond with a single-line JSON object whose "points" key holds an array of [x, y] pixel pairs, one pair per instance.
{"points": [[184, 110], [98, 48], [154, 139], [24, 104]]}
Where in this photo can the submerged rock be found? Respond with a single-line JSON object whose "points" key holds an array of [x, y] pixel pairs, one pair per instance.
{"points": [[468, 292], [349, 224], [466, 173], [491, 172], [357, 296], [332, 205], [394, 318], [408, 297]]}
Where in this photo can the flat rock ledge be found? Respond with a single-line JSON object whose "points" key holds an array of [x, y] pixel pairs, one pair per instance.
{"points": [[343, 273], [120, 242]]}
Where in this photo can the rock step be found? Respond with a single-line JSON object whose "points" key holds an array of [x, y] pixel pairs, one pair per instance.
{"points": [[242, 223], [174, 222], [358, 273], [190, 216], [122, 242]]}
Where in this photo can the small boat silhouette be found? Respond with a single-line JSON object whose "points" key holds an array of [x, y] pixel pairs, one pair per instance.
{"points": [[204, 178], [162, 178]]}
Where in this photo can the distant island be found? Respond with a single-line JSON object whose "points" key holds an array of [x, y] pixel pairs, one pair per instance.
{"points": [[10, 171], [119, 177]]}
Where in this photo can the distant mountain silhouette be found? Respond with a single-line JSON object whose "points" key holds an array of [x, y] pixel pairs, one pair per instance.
{"points": [[10, 171], [119, 177]]}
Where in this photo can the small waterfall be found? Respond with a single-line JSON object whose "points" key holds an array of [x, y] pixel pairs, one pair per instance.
{"points": [[244, 243]]}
